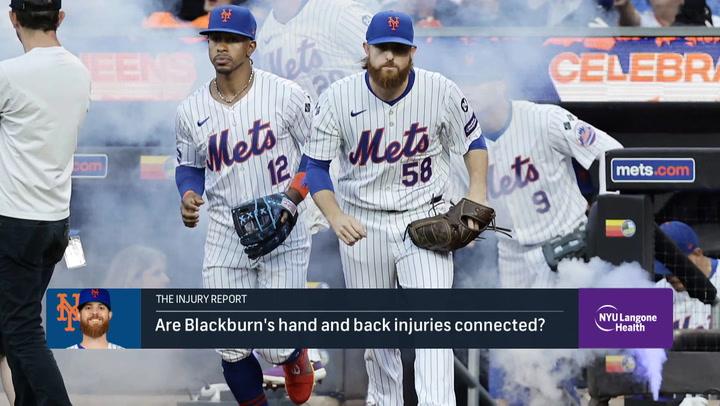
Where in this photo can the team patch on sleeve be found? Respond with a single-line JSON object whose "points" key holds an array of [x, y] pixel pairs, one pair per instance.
{"points": [[471, 125], [586, 135]]}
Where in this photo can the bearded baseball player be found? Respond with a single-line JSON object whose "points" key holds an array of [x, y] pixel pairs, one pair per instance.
{"points": [[392, 128], [95, 315], [531, 182], [238, 140]]}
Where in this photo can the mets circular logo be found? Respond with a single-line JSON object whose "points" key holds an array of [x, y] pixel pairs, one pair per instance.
{"points": [[225, 15], [394, 23], [464, 105], [628, 364], [586, 134], [628, 228]]}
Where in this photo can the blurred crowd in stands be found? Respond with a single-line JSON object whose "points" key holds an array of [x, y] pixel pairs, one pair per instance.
{"points": [[483, 13]]}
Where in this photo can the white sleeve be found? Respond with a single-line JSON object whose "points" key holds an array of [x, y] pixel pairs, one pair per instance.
{"points": [[299, 115], [325, 141], [461, 124], [576, 138], [187, 153]]}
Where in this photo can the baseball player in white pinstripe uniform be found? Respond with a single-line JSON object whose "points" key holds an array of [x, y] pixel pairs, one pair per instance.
{"points": [[238, 138], [313, 43], [531, 181], [393, 128], [688, 313]]}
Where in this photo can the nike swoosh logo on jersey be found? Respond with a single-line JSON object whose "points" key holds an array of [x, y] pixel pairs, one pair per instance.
{"points": [[354, 114], [200, 123]]}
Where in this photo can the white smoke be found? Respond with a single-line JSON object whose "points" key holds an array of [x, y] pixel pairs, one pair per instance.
{"points": [[536, 377]]}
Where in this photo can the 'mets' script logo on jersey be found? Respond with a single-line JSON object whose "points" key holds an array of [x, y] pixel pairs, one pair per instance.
{"points": [[308, 59], [415, 141], [524, 172], [220, 153]]}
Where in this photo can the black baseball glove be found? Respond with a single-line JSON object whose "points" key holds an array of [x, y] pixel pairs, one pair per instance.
{"points": [[264, 223]]}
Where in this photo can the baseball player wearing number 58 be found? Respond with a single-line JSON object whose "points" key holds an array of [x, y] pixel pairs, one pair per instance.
{"points": [[238, 139], [393, 128]]}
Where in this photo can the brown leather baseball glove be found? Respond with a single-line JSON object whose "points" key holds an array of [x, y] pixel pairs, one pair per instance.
{"points": [[449, 231]]}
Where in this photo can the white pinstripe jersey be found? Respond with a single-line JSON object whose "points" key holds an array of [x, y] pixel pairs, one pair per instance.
{"points": [[320, 45], [392, 156], [248, 150], [690, 313], [530, 172]]}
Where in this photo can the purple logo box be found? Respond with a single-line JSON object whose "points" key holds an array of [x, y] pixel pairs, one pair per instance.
{"points": [[625, 318]]}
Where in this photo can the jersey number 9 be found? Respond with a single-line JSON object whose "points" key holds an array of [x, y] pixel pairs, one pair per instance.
{"points": [[541, 200]]}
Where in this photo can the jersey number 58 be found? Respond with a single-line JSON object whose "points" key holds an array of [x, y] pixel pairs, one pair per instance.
{"points": [[414, 171]]}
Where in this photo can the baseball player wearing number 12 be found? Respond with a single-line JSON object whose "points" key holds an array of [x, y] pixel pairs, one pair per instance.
{"points": [[238, 139], [393, 128]]}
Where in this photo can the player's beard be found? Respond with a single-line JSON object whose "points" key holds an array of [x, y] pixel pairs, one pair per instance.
{"points": [[389, 80], [94, 330]]}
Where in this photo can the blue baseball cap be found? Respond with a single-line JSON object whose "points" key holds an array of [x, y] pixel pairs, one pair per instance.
{"points": [[94, 295], [390, 27], [661, 269], [682, 235], [232, 19]]}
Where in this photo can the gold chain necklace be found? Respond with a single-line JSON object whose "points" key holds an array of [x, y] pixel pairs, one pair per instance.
{"points": [[231, 100]]}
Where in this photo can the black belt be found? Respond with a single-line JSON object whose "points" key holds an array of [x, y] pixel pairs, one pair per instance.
{"points": [[434, 200], [28, 222]]}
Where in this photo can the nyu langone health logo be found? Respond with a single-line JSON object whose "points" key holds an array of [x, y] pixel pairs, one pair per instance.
{"points": [[625, 318], [645, 170], [609, 319]]}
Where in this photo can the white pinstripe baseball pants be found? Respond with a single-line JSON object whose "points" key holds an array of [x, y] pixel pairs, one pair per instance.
{"points": [[285, 267], [385, 260]]}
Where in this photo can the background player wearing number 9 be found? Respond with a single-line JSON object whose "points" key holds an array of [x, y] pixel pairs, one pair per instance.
{"points": [[238, 138], [531, 182], [394, 128]]}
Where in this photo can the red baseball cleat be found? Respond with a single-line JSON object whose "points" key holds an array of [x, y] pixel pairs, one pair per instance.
{"points": [[299, 378]]}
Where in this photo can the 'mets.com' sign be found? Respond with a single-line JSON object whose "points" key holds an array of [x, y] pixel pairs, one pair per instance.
{"points": [[636, 69]]}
